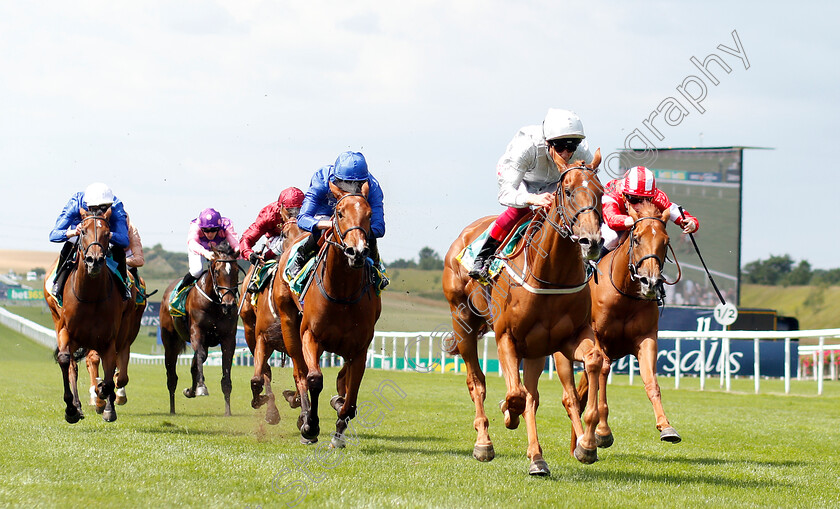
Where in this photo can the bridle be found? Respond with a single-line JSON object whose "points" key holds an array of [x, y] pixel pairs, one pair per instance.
{"points": [[633, 268], [336, 229], [82, 253], [219, 290], [566, 225]]}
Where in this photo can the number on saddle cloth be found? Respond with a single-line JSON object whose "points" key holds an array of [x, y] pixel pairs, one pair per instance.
{"points": [[468, 254]]}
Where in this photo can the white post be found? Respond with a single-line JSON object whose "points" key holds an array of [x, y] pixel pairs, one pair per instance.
{"points": [[484, 360], [723, 358], [394, 354], [727, 368], [677, 347], [609, 377], [550, 367], [756, 363], [431, 360], [833, 367], [787, 365], [630, 368], [442, 361], [417, 353], [820, 354], [702, 363]]}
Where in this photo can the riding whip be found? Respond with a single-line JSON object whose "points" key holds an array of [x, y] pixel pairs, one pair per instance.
{"points": [[254, 273], [691, 236]]}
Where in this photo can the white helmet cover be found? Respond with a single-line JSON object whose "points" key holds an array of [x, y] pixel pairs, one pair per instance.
{"points": [[562, 124], [98, 194]]}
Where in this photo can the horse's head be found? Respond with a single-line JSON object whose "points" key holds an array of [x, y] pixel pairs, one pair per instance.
{"points": [[94, 238], [351, 221], [578, 202], [648, 244], [224, 273]]}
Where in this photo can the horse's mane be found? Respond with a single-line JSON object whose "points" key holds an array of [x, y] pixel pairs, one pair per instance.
{"points": [[224, 248], [648, 209]]}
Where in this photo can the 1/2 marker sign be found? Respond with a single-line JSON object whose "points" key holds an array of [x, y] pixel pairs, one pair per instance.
{"points": [[726, 314]]}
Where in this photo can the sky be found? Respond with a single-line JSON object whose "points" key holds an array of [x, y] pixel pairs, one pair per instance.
{"points": [[182, 105]]}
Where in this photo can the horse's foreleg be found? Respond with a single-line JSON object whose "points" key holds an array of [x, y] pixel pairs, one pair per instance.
{"points": [[647, 354], [571, 400], [468, 348], [314, 384], [106, 386], [65, 359], [92, 363], [603, 433], [170, 359], [347, 411], [260, 366], [532, 369], [514, 403], [197, 370], [593, 360], [74, 386], [123, 356], [227, 360]]}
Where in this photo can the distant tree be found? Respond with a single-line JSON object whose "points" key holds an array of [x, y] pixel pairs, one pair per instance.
{"points": [[801, 275], [39, 271], [825, 277], [401, 263], [429, 259], [768, 272]]}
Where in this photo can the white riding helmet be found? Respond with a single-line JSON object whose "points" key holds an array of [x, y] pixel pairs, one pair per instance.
{"points": [[562, 124], [98, 194]]}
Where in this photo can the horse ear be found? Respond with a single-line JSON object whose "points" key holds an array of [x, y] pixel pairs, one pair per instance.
{"points": [[366, 188], [108, 214], [561, 164], [84, 213], [336, 191], [596, 160]]}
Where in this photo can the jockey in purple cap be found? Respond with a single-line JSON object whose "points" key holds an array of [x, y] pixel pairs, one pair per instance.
{"points": [[348, 173], [208, 230]]}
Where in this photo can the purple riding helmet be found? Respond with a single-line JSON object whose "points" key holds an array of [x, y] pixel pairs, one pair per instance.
{"points": [[209, 218]]}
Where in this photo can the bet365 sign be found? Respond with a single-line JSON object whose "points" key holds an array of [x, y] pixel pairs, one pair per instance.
{"points": [[24, 294]]}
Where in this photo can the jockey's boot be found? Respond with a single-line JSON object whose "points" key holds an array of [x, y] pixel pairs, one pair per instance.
{"points": [[118, 254], [188, 280], [374, 255], [63, 268], [304, 253], [481, 265]]}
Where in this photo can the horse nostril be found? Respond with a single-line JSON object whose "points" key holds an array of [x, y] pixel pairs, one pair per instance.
{"points": [[89, 260], [350, 251], [365, 252], [584, 241], [643, 280]]}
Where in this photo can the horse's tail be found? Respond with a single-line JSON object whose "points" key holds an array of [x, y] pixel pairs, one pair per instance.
{"points": [[78, 355]]}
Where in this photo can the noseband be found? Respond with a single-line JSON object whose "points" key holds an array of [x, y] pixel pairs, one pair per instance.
{"points": [[634, 267], [341, 244], [83, 252], [218, 290]]}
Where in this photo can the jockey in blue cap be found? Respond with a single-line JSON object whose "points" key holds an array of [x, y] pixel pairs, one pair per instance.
{"points": [[348, 173], [97, 199]]}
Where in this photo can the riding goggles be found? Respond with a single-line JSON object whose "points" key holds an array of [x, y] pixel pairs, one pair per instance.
{"points": [[570, 144]]}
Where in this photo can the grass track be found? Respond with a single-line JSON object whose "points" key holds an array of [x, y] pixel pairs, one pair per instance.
{"points": [[739, 450]]}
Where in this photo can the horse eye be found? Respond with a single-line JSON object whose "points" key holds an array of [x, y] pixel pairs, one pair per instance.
{"points": [[568, 193], [339, 214]]}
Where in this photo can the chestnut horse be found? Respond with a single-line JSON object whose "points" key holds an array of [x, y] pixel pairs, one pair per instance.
{"points": [[625, 313], [94, 316], [261, 318], [538, 305], [340, 311], [210, 321]]}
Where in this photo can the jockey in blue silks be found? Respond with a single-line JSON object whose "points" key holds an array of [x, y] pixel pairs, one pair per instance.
{"points": [[348, 173], [96, 199]]}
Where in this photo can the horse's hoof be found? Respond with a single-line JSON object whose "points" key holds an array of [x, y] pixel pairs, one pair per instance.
{"points": [[604, 441], [511, 422], [586, 456], [100, 409], [121, 398], [308, 441], [92, 396], [337, 402], [539, 467], [338, 441], [292, 398], [189, 393], [72, 418], [109, 416], [259, 401], [308, 431], [300, 421], [669, 434], [201, 390], [272, 417], [484, 452]]}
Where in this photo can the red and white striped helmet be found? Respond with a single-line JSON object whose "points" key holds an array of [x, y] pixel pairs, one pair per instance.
{"points": [[639, 181]]}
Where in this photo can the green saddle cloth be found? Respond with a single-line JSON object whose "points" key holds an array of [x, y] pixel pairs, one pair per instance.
{"points": [[178, 299], [140, 297], [468, 254]]}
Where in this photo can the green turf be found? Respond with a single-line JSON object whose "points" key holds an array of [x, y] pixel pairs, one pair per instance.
{"points": [[739, 449]]}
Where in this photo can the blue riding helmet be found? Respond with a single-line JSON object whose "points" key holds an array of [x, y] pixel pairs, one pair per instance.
{"points": [[351, 166]]}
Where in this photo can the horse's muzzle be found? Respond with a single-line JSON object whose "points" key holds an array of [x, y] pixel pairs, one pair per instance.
{"points": [[356, 257], [94, 264], [590, 246]]}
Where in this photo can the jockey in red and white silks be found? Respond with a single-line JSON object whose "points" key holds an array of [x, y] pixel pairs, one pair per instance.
{"points": [[637, 185]]}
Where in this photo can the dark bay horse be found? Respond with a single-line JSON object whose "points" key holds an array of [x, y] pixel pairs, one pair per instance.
{"points": [[625, 313], [94, 316], [210, 321], [256, 320], [340, 311], [539, 305]]}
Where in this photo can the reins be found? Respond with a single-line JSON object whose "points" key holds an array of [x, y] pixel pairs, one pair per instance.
{"points": [[81, 259], [218, 290]]}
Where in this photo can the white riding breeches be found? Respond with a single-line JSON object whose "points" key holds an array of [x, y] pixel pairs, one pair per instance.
{"points": [[196, 263]]}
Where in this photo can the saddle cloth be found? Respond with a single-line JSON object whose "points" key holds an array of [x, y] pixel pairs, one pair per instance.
{"points": [[140, 297], [467, 255]]}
